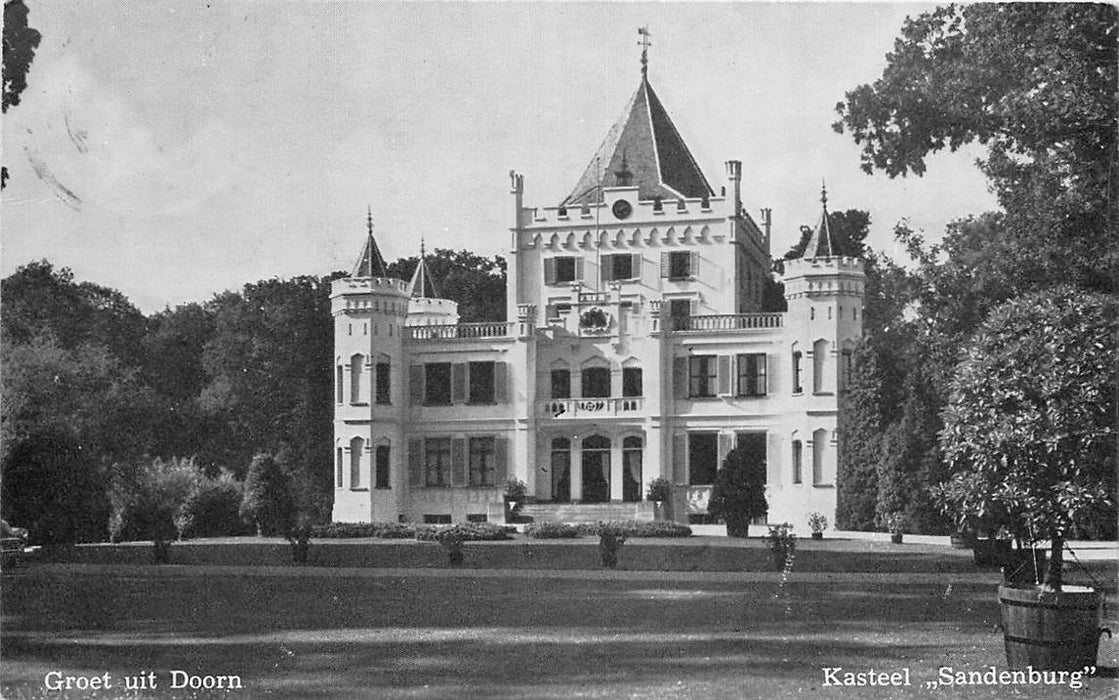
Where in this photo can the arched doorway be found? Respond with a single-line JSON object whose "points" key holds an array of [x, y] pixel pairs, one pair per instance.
{"points": [[561, 470], [631, 469], [596, 469]]}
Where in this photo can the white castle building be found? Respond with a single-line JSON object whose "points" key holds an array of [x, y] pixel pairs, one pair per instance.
{"points": [[635, 347]]}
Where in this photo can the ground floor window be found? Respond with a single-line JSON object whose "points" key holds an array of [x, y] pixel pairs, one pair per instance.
{"points": [[703, 458], [437, 519], [437, 461], [631, 468], [561, 470], [381, 468], [481, 461]]}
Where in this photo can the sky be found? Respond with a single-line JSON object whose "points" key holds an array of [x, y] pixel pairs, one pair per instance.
{"points": [[173, 150]]}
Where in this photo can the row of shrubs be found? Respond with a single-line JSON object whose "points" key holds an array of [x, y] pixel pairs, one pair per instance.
{"points": [[464, 532], [478, 532], [623, 528]]}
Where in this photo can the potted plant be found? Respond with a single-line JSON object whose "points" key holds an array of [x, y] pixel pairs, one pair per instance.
{"points": [[1029, 427], [895, 523], [817, 523], [739, 492], [516, 491], [782, 544], [660, 493], [593, 319]]}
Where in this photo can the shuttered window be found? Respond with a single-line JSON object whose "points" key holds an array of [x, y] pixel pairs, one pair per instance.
{"points": [[437, 462], [679, 265], [483, 461], [563, 269], [621, 266], [751, 374], [702, 376]]}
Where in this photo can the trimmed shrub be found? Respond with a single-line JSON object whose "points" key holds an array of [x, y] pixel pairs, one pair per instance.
{"points": [[463, 532], [384, 531], [635, 528], [268, 502], [211, 509], [552, 531]]}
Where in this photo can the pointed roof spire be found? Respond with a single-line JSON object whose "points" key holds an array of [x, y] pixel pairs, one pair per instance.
{"points": [[653, 150], [819, 245], [422, 286], [370, 263]]}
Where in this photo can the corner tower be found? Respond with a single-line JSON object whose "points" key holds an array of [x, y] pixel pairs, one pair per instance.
{"points": [[370, 310]]}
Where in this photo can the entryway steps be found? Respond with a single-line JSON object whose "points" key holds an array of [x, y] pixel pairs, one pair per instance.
{"points": [[588, 512]]}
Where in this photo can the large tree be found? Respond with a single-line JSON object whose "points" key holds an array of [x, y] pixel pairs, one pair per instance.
{"points": [[1034, 83], [1031, 424], [20, 42]]}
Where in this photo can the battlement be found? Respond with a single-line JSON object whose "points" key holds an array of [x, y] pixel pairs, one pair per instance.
{"points": [[369, 285], [823, 266], [685, 209], [426, 311]]}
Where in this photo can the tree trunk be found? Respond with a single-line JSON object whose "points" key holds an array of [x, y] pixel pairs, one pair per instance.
{"points": [[1056, 564]]}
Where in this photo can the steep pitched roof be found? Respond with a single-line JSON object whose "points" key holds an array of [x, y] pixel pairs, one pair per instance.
{"points": [[422, 285], [645, 142], [819, 245], [370, 263]]}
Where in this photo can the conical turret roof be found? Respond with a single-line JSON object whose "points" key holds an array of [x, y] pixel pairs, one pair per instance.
{"points": [[422, 285], [644, 142], [370, 263], [819, 244]]}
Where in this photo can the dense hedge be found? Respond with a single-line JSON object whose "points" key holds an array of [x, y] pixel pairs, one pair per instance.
{"points": [[634, 528], [551, 531], [385, 531], [464, 532]]}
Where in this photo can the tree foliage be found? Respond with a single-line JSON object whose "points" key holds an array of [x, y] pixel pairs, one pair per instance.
{"points": [[738, 495], [476, 283], [269, 503], [147, 498], [20, 42], [1036, 84], [1031, 418]]}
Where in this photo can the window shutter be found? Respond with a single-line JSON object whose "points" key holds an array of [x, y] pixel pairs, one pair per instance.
{"points": [[578, 269], [416, 462], [550, 311], [416, 384], [726, 444], [693, 307], [607, 270], [666, 266], [501, 382], [723, 375], [636, 264], [763, 374], [458, 382], [679, 458], [458, 462], [549, 271], [693, 264], [501, 460], [680, 377]]}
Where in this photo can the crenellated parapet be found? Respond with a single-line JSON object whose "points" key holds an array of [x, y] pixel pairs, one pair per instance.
{"points": [[365, 295], [824, 276]]}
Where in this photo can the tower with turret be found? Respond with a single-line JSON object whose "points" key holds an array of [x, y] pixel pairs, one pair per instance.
{"points": [[370, 311]]}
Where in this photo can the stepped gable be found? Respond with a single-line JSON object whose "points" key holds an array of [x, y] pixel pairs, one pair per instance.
{"points": [[646, 143]]}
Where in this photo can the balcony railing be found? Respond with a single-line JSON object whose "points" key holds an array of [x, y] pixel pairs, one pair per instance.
{"points": [[591, 408], [462, 331], [725, 322]]}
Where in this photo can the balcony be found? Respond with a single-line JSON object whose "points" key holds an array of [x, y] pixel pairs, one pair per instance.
{"points": [[462, 331], [614, 407], [726, 322]]}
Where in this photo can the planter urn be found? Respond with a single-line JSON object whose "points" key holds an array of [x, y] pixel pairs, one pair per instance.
{"points": [[1051, 631]]}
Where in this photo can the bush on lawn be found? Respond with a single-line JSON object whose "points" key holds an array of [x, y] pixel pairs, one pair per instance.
{"points": [[463, 532], [212, 508], [552, 531], [635, 528], [384, 531]]}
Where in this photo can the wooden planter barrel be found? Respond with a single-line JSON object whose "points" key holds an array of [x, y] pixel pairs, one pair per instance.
{"points": [[1051, 631]]}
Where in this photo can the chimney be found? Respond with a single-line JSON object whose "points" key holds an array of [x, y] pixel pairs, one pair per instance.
{"points": [[734, 174]]}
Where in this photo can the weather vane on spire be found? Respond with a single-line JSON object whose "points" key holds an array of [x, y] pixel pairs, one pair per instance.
{"points": [[824, 193], [645, 43], [369, 218]]}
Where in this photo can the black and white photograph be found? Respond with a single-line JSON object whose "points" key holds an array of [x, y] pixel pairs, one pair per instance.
{"points": [[503, 350]]}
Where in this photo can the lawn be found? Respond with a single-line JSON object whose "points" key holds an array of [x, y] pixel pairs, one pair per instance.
{"points": [[307, 633]]}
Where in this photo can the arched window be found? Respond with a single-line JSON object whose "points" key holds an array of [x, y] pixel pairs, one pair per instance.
{"points": [[596, 382], [381, 465], [356, 446], [338, 383], [357, 364], [819, 443], [631, 468], [561, 469], [798, 383], [798, 461], [819, 366], [339, 467], [596, 442]]}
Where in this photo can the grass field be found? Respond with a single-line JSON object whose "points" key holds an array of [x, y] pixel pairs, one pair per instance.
{"points": [[314, 632]]}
